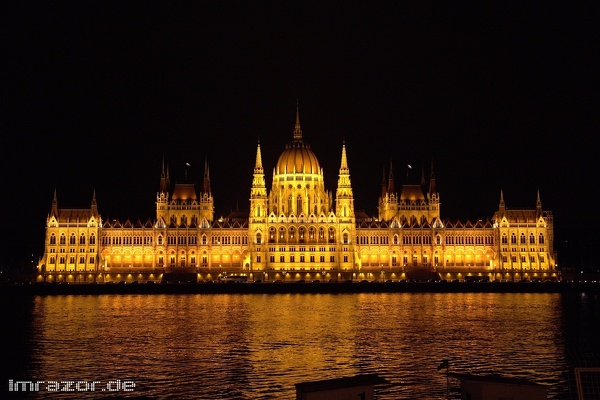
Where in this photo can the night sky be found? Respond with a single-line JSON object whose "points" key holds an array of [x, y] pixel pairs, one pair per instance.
{"points": [[498, 97]]}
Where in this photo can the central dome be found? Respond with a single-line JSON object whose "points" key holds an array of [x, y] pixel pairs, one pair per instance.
{"points": [[297, 158]]}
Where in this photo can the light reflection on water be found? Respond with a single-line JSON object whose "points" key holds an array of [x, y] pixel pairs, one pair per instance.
{"points": [[260, 346]]}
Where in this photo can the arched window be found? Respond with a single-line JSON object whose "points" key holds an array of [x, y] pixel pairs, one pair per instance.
{"points": [[53, 239], [541, 240], [532, 239], [82, 239], [523, 240], [281, 234], [92, 239], [72, 239], [513, 239], [331, 235], [258, 238]]}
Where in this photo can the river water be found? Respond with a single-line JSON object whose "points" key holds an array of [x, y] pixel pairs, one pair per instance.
{"points": [[258, 346]]}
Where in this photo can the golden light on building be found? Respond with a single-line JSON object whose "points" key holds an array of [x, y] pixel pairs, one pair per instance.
{"points": [[300, 227]]}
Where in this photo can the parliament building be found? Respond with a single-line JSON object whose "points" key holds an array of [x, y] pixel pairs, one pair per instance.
{"points": [[298, 230]]}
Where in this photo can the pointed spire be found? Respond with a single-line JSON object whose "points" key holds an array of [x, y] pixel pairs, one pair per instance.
{"points": [[168, 178], [164, 180], [258, 182], [423, 182], [297, 128], [502, 205], [54, 204], [538, 203], [432, 187], [258, 167], [344, 165], [391, 186], [383, 184], [94, 204], [206, 177], [344, 176], [344, 197]]}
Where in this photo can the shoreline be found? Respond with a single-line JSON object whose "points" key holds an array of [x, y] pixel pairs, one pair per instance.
{"points": [[301, 288]]}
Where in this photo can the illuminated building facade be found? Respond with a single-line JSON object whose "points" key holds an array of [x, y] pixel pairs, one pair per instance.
{"points": [[298, 230]]}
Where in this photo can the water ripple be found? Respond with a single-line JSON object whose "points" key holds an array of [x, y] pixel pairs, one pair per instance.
{"points": [[260, 346]]}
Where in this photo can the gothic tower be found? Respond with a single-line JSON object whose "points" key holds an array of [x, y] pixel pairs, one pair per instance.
{"points": [[257, 224]]}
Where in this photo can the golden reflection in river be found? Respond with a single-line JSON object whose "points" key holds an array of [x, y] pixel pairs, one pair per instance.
{"points": [[259, 346]]}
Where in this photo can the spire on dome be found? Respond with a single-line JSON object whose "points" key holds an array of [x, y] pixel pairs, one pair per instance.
{"points": [[297, 128]]}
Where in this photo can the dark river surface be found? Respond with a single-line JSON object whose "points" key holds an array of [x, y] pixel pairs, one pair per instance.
{"points": [[258, 346]]}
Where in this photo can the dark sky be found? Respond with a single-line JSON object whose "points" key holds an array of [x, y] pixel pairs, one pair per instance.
{"points": [[498, 97]]}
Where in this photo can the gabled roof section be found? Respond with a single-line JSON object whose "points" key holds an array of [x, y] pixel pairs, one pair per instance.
{"points": [[184, 191], [160, 224], [412, 193], [230, 223], [521, 215], [74, 214], [361, 215]]}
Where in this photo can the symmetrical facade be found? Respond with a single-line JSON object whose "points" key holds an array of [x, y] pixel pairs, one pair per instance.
{"points": [[298, 230]]}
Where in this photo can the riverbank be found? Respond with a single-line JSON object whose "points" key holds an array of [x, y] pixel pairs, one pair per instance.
{"points": [[274, 288]]}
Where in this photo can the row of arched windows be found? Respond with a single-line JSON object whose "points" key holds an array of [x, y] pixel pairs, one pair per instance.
{"points": [[523, 239], [302, 235], [73, 239]]}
